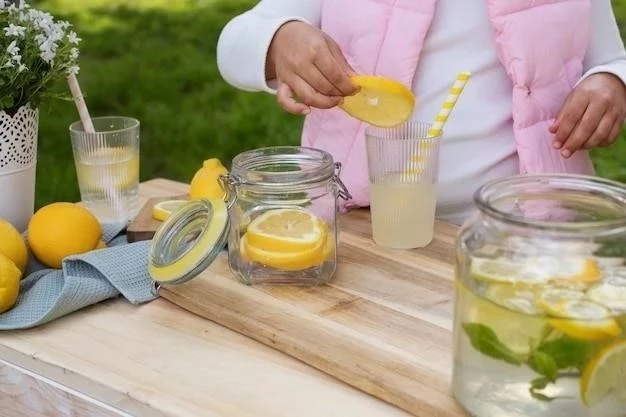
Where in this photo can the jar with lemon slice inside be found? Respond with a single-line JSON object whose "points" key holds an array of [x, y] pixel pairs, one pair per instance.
{"points": [[278, 221], [540, 311]]}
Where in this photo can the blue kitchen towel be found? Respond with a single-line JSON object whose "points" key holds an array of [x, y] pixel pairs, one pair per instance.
{"points": [[47, 294]]}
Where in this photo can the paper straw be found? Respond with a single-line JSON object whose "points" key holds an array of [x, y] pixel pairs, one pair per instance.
{"points": [[442, 117], [453, 95], [81, 106]]}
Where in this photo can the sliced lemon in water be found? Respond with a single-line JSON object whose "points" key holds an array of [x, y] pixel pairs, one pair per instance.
{"points": [[381, 101], [515, 329], [537, 270], [554, 300], [503, 271], [513, 298], [585, 320], [286, 230], [609, 295], [163, 209], [605, 373]]}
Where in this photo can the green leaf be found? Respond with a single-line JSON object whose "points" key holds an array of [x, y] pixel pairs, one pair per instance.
{"points": [[544, 364], [485, 340], [566, 352], [537, 385]]}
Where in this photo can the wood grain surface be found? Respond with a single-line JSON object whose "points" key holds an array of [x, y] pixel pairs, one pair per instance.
{"points": [[157, 360], [383, 325]]}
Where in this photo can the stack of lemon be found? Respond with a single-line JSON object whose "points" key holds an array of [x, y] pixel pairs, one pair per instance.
{"points": [[13, 258], [287, 239]]}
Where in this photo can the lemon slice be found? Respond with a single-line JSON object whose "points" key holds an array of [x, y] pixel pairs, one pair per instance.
{"points": [[163, 209], [554, 300], [536, 270], [605, 373], [516, 330], [609, 295], [583, 320], [502, 271], [286, 230], [381, 101], [284, 261], [513, 298]]}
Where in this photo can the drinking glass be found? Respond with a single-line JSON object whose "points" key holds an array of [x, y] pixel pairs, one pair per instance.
{"points": [[403, 164], [107, 167]]}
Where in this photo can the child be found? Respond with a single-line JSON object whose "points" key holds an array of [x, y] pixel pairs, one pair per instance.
{"points": [[547, 79]]}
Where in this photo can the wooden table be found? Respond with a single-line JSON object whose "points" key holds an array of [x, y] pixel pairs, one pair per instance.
{"points": [[115, 359]]}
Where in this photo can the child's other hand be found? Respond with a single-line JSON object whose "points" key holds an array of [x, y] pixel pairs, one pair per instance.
{"points": [[592, 115], [310, 69]]}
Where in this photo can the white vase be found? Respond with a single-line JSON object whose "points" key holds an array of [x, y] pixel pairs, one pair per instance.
{"points": [[18, 161]]}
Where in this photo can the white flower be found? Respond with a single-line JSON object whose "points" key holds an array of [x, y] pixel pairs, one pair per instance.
{"points": [[73, 38], [13, 30], [8, 64], [48, 56], [22, 68], [13, 49], [73, 70], [74, 54]]}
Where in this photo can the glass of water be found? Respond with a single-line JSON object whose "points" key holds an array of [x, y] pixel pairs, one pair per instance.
{"points": [[107, 167], [403, 166]]}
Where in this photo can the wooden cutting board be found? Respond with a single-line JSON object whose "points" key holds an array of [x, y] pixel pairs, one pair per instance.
{"points": [[383, 325], [143, 226]]}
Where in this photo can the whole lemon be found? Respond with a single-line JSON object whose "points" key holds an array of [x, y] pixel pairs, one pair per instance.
{"points": [[12, 245], [10, 277], [59, 230], [205, 181]]}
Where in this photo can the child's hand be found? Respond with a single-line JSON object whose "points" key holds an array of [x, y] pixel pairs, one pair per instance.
{"points": [[592, 115], [309, 66]]}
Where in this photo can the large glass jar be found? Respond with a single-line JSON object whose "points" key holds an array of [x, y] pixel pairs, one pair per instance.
{"points": [[540, 313]]}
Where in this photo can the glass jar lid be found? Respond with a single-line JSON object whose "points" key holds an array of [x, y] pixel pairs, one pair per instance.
{"points": [[188, 241]]}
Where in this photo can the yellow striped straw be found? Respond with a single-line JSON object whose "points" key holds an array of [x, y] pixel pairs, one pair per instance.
{"points": [[447, 107], [453, 95]]}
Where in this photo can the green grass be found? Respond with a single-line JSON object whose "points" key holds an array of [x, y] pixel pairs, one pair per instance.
{"points": [[155, 60]]}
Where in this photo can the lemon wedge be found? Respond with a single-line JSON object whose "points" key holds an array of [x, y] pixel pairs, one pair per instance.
{"points": [[163, 209], [381, 101], [286, 230], [604, 374]]}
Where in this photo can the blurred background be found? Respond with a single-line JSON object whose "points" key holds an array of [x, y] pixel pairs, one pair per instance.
{"points": [[155, 60]]}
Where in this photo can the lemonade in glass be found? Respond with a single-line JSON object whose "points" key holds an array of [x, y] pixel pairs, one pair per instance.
{"points": [[540, 313]]}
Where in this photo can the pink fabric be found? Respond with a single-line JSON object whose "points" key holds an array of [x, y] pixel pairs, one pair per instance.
{"points": [[541, 43]]}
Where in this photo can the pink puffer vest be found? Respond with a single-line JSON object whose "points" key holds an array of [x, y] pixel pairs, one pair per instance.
{"points": [[541, 43]]}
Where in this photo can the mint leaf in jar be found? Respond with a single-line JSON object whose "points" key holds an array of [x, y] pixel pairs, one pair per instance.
{"points": [[485, 340], [544, 364], [566, 352], [537, 385]]}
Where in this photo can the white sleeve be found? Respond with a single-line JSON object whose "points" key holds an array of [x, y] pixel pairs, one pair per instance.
{"points": [[606, 49], [244, 41]]}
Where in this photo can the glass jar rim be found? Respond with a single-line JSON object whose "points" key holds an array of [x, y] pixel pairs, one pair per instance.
{"points": [[253, 167], [489, 193]]}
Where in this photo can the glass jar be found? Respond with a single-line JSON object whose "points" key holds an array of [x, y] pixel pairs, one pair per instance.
{"points": [[279, 220], [540, 312]]}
